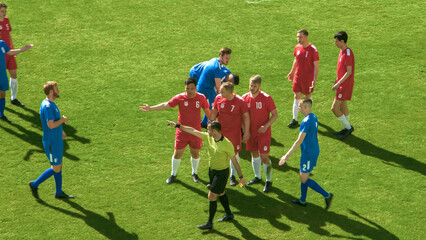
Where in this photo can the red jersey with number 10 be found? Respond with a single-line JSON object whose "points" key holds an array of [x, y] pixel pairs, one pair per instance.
{"points": [[260, 108], [189, 109]]}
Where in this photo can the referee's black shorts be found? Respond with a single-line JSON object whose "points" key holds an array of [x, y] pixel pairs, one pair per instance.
{"points": [[218, 180]]}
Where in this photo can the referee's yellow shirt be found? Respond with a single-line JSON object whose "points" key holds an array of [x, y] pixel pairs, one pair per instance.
{"points": [[219, 152]]}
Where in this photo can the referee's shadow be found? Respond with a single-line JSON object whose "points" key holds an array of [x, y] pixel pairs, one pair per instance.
{"points": [[271, 207], [105, 226], [387, 157]]}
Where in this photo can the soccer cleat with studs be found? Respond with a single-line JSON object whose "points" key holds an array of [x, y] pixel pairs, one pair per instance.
{"points": [[34, 190], [233, 181], [254, 181], [63, 195], [294, 123], [328, 201], [206, 226], [347, 133], [195, 178], [227, 218], [171, 179], [17, 102]]}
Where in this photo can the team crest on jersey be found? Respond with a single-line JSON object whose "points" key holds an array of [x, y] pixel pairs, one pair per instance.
{"points": [[185, 103], [265, 148], [222, 105]]}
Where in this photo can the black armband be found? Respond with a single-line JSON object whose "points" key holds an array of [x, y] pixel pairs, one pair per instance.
{"points": [[177, 125]]}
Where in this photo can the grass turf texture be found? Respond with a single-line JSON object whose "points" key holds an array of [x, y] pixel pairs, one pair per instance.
{"points": [[110, 57]]}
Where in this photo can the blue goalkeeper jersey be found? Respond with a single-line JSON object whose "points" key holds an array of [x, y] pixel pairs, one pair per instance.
{"points": [[3, 50]]}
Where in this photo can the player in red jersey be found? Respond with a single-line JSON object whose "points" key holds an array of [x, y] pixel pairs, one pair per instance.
{"points": [[5, 29], [190, 104], [231, 110], [344, 84], [304, 72], [262, 114]]}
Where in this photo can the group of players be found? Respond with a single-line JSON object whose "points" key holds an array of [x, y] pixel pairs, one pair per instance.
{"points": [[230, 118], [8, 61]]}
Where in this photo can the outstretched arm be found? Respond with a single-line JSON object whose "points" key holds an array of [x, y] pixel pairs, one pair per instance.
{"points": [[159, 107], [187, 129], [16, 51]]}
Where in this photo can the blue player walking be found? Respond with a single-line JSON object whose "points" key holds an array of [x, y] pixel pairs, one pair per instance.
{"points": [[308, 142], [209, 76], [53, 143]]}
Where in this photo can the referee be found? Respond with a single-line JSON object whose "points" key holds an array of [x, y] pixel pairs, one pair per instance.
{"points": [[220, 150]]}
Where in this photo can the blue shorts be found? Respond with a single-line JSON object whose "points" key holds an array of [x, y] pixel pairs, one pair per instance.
{"points": [[210, 94], [54, 152], [4, 85], [307, 163]]}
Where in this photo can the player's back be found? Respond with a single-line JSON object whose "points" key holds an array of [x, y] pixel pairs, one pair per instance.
{"points": [[207, 76], [310, 144]]}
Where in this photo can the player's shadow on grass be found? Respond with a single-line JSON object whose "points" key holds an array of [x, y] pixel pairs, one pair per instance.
{"points": [[105, 226], [316, 217], [34, 138], [372, 150], [270, 208], [246, 234]]}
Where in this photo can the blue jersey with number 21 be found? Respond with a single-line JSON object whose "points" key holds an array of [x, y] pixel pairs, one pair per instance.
{"points": [[310, 146]]}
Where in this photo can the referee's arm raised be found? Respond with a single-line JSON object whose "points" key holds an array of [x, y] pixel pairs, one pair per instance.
{"points": [[187, 129]]}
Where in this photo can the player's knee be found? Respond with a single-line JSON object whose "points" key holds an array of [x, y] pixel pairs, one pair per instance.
{"points": [[212, 197], [265, 160], [57, 168]]}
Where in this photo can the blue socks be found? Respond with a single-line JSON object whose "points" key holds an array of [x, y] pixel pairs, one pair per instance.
{"points": [[303, 191], [43, 177], [2, 106], [317, 188], [58, 182]]}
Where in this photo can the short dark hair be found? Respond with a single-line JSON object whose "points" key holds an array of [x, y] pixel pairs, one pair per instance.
{"points": [[191, 81], [342, 35], [235, 78], [303, 31], [225, 51], [215, 125], [2, 5]]}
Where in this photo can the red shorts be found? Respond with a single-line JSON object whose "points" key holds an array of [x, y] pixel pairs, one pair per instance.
{"points": [[259, 142], [344, 93], [11, 62], [305, 87], [235, 138], [182, 139]]}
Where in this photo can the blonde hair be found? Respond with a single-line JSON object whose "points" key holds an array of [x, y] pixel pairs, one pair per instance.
{"points": [[49, 86]]}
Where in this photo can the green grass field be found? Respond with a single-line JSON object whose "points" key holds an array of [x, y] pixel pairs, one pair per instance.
{"points": [[109, 57]]}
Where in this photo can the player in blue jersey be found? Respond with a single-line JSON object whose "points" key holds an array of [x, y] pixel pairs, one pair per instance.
{"points": [[4, 81], [308, 142], [209, 76], [53, 143]]}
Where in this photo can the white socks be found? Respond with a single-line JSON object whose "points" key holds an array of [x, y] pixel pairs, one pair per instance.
{"points": [[13, 88], [194, 164], [295, 109], [345, 121], [256, 162], [233, 170], [268, 171], [175, 165]]}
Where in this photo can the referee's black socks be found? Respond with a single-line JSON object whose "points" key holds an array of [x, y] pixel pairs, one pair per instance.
{"points": [[212, 210], [225, 203]]}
